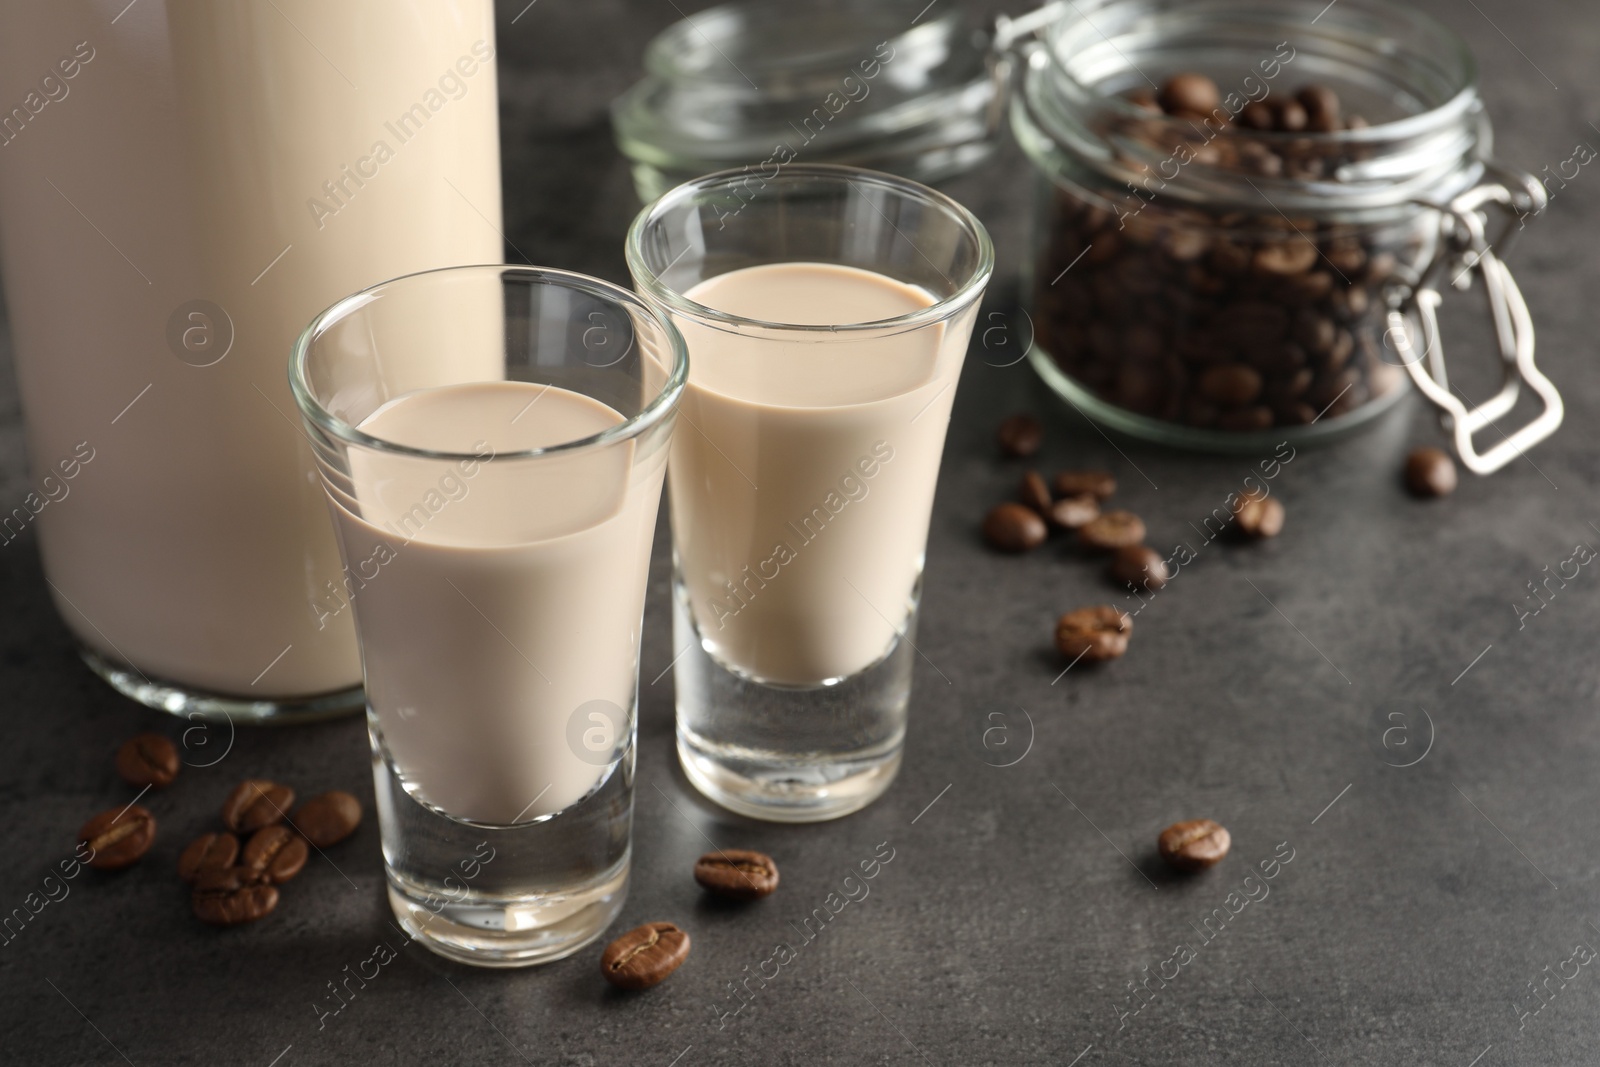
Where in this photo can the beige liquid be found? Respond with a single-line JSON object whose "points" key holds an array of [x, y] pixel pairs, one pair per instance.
{"points": [[514, 607], [190, 152], [803, 470]]}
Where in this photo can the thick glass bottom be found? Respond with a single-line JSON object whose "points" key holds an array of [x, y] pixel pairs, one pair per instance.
{"points": [[505, 896], [191, 703], [790, 753], [1253, 442]]}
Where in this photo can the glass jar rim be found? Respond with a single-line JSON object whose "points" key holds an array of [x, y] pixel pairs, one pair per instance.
{"points": [[652, 413], [943, 308], [1448, 134]]}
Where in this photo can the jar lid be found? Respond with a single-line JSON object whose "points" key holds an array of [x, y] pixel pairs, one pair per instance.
{"points": [[884, 84]]}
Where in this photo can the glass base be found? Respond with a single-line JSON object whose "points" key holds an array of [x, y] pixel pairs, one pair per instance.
{"points": [[191, 703], [1196, 439], [505, 896], [790, 754]]}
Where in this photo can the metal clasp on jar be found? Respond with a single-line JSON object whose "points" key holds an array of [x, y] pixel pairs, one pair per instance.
{"points": [[1465, 250]]}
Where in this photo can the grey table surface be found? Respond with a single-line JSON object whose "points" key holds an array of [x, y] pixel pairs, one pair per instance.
{"points": [[1421, 905]]}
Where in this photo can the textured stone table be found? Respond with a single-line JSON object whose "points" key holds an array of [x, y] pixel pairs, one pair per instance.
{"points": [[1021, 901]]}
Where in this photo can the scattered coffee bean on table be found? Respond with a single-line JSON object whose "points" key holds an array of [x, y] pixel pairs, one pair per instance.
{"points": [[255, 803], [1014, 528], [229, 896], [148, 759], [1020, 436], [1093, 634], [118, 837], [1112, 529], [736, 873], [1139, 566], [1259, 517], [328, 818], [275, 851], [1430, 472], [1193, 845], [644, 956], [1035, 493], [1097, 484], [208, 852], [1072, 512]]}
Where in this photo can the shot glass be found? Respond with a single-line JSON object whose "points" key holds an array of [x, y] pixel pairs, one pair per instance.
{"points": [[493, 442], [827, 312]]}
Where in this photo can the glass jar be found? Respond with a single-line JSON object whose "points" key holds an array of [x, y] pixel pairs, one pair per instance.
{"points": [[1202, 283], [893, 85]]}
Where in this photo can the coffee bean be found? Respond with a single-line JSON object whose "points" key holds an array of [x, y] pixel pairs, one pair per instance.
{"points": [[1258, 517], [228, 896], [1014, 528], [1321, 104], [644, 956], [1258, 115], [1020, 436], [328, 818], [1139, 566], [1093, 634], [1230, 383], [1098, 484], [1291, 117], [737, 873], [1430, 472], [1286, 258], [1190, 93], [1112, 529], [276, 851], [118, 837], [1071, 512], [1193, 845], [1035, 493], [148, 759], [255, 803], [207, 852]]}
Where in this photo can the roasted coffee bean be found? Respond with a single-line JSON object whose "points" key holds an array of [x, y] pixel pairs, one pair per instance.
{"points": [[1189, 93], [1112, 529], [1014, 528], [644, 956], [1071, 512], [736, 873], [207, 852], [276, 851], [1098, 484], [1093, 634], [1020, 436], [228, 896], [1286, 258], [255, 803], [118, 837], [1139, 566], [1258, 517], [328, 818], [1430, 472], [1230, 383], [1035, 493], [1290, 116], [148, 759], [1193, 845], [1321, 104], [1258, 115]]}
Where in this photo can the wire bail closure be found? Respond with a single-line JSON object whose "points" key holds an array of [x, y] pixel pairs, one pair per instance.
{"points": [[1465, 250]]}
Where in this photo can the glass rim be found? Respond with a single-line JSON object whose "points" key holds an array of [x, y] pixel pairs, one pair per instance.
{"points": [[659, 407], [942, 308], [1459, 102]]}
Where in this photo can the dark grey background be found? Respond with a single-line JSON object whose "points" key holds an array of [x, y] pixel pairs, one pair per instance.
{"points": [[1415, 913]]}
